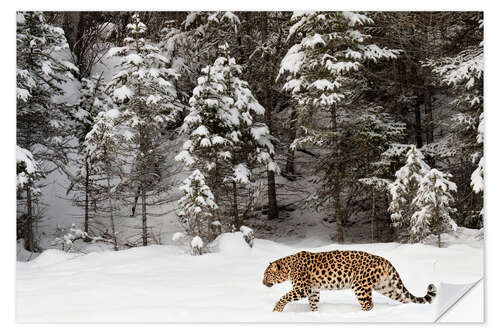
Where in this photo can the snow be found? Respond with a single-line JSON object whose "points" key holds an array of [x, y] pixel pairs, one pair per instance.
{"points": [[201, 131], [232, 243], [246, 230], [293, 60], [312, 41], [259, 132], [112, 114], [356, 19], [374, 53], [165, 284], [323, 84], [241, 174], [114, 51], [31, 168], [190, 18], [477, 180], [122, 93], [134, 58], [51, 257], [177, 236], [23, 155], [196, 242]]}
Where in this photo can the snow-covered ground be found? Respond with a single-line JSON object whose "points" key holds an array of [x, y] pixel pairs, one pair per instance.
{"points": [[165, 284]]}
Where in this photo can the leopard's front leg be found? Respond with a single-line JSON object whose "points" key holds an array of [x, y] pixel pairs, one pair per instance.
{"points": [[313, 300], [293, 295]]}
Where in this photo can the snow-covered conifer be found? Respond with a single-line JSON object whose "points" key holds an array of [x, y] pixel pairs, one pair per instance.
{"points": [[404, 189], [197, 206], [464, 74], [42, 124], [103, 145], [226, 142], [321, 73], [209, 29], [93, 100], [477, 177], [433, 202], [145, 90]]}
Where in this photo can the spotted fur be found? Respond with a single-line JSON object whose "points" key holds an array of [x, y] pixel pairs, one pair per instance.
{"points": [[363, 272]]}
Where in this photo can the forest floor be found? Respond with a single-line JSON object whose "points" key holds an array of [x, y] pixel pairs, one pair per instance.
{"points": [[163, 283]]}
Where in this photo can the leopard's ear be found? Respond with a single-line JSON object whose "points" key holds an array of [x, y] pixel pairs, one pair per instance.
{"points": [[274, 266], [278, 266]]}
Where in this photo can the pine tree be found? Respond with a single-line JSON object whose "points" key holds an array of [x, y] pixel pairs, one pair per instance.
{"points": [[477, 177], [145, 88], [178, 47], [226, 143], [463, 73], [433, 201], [93, 100], [321, 72], [264, 47], [210, 30], [197, 207], [41, 123], [27, 173], [404, 189], [103, 145]]}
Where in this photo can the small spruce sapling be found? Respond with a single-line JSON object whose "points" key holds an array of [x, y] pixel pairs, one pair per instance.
{"points": [[433, 201], [197, 206], [404, 189]]}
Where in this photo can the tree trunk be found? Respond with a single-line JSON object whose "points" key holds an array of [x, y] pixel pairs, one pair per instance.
{"points": [[290, 156], [143, 206], [403, 86], [235, 206], [110, 203], [439, 233], [29, 239], [143, 183], [418, 124], [336, 177], [272, 211], [429, 125], [86, 218], [70, 26], [374, 221], [136, 198]]}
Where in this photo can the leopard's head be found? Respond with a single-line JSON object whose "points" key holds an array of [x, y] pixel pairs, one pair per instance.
{"points": [[275, 273]]}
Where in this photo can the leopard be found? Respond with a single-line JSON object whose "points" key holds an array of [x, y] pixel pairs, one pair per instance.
{"points": [[309, 273]]}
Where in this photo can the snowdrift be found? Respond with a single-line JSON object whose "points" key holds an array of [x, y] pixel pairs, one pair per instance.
{"points": [[164, 284]]}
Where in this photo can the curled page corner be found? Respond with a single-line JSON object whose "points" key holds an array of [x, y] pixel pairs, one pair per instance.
{"points": [[450, 295]]}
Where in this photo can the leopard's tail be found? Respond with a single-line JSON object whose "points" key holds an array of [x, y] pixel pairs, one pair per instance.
{"points": [[392, 286]]}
